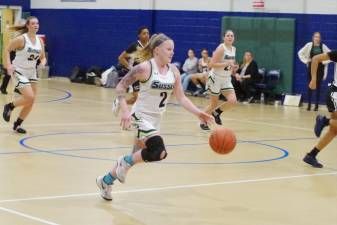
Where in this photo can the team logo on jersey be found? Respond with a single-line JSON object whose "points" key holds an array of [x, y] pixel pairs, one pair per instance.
{"points": [[32, 50], [229, 57], [158, 85]]}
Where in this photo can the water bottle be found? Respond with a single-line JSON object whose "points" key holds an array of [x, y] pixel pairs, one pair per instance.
{"points": [[262, 98]]}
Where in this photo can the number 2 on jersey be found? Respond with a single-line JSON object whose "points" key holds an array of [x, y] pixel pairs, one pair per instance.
{"points": [[162, 102]]}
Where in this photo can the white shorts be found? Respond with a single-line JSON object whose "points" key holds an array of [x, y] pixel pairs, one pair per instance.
{"points": [[21, 80], [217, 84], [146, 125]]}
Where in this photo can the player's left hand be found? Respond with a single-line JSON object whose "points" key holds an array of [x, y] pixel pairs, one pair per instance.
{"points": [[312, 85]]}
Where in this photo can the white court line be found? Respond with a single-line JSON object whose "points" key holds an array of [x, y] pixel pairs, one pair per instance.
{"points": [[27, 216], [187, 186], [89, 124]]}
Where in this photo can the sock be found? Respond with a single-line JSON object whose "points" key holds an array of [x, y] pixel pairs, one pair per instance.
{"points": [[109, 179], [217, 112], [17, 123], [314, 152], [326, 121], [11, 105], [129, 160]]}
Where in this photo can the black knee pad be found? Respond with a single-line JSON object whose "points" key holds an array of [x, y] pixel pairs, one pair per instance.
{"points": [[154, 149]]}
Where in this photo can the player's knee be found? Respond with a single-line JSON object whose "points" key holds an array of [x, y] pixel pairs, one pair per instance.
{"points": [[155, 149], [30, 98], [232, 102]]}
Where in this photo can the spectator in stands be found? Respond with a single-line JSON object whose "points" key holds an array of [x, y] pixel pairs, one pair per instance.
{"points": [[245, 78], [305, 54], [199, 79], [190, 67]]}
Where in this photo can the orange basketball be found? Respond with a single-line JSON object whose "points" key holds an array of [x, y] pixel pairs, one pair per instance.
{"points": [[222, 140]]}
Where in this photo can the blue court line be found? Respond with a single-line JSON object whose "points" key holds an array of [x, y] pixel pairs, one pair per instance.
{"points": [[68, 95], [59, 151]]}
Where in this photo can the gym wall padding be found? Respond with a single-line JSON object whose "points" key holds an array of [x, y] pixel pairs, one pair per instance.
{"points": [[271, 40]]}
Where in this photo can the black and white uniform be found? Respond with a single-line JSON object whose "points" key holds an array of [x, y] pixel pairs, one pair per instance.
{"points": [[152, 99], [132, 61], [331, 98], [25, 62], [220, 79]]}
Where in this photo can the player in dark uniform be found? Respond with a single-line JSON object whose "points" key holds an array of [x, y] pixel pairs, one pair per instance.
{"points": [[323, 121], [127, 59], [7, 77]]}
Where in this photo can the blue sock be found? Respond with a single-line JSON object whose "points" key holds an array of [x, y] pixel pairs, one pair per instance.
{"points": [[129, 160], [109, 179]]}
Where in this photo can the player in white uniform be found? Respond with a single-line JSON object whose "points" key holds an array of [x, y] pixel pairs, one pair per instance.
{"points": [[331, 103], [29, 48], [158, 79], [220, 78]]}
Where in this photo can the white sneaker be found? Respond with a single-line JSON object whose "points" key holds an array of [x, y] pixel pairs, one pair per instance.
{"points": [[115, 107], [122, 169], [104, 188]]}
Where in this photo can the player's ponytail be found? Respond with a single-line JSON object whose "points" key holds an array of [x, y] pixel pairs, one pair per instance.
{"points": [[147, 52]]}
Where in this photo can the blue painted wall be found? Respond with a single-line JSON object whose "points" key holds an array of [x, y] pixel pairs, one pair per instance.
{"points": [[96, 37], [24, 3]]}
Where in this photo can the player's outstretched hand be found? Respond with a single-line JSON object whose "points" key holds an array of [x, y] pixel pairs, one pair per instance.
{"points": [[125, 120], [206, 118]]}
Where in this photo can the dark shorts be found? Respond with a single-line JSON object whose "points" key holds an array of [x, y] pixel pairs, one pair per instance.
{"points": [[122, 72], [331, 99]]}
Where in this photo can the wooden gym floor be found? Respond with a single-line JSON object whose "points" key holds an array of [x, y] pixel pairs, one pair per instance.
{"points": [[48, 175]]}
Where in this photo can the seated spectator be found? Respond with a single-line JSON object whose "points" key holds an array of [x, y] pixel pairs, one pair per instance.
{"points": [[199, 79], [190, 67], [245, 78]]}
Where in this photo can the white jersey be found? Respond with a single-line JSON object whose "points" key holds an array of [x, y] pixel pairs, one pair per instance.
{"points": [[155, 92], [26, 58], [229, 54]]}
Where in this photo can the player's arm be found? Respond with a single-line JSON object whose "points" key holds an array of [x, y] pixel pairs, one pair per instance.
{"points": [[314, 65], [125, 55], [216, 59], [16, 43], [123, 59], [184, 101], [43, 59], [140, 72]]}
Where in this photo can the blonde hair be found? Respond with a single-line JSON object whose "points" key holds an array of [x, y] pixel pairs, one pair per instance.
{"points": [[147, 52], [244, 61], [21, 29]]}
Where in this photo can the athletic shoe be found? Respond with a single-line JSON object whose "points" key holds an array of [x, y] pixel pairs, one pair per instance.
{"points": [[20, 130], [217, 118], [115, 107], [7, 113], [312, 161], [319, 125], [105, 189], [204, 127], [122, 169]]}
